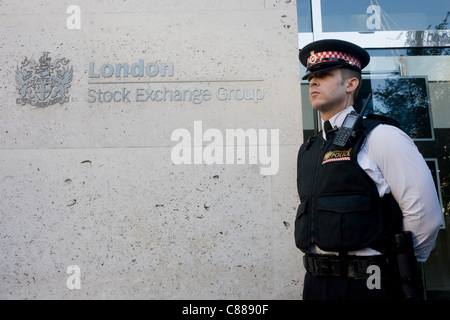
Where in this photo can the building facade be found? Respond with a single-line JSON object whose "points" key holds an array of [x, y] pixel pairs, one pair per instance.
{"points": [[148, 148]]}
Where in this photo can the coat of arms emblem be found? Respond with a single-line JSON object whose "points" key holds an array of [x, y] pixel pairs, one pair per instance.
{"points": [[43, 83]]}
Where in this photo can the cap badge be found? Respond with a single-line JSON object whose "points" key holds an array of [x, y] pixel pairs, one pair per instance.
{"points": [[313, 57]]}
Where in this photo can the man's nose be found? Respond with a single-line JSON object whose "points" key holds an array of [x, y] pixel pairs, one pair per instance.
{"points": [[313, 82]]}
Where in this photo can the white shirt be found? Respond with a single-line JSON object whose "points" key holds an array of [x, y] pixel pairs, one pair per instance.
{"points": [[395, 164]]}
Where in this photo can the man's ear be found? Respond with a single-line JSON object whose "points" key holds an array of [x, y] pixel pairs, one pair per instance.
{"points": [[352, 84]]}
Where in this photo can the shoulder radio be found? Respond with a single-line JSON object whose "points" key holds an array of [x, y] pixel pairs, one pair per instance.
{"points": [[351, 123]]}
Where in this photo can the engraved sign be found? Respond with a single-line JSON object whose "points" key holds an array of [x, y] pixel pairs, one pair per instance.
{"points": [[43, 83]]}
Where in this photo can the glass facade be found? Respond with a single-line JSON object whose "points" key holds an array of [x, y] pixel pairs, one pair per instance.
{"points": [[362, 16], [408, 75]]}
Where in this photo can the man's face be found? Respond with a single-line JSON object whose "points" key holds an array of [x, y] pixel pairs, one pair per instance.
{"points": [[327, 90]]}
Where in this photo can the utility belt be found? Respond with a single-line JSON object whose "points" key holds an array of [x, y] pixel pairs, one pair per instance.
{"points": [[355, 267]]}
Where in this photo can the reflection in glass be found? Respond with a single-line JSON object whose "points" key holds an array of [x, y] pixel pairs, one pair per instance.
{"points": [[382, 15], [304, 15], [404, 99]]}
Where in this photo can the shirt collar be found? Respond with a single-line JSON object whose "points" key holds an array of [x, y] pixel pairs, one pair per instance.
{"points": [[338, 119]]}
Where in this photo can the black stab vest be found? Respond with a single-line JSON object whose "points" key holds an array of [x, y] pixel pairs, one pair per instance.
{"points": [[340, 208]]}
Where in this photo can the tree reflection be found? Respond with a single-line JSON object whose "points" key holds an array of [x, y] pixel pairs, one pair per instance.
{"points": [[428, 42], [406, 100]]}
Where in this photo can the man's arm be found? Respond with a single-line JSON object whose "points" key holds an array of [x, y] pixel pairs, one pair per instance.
{"points": [[411, 184]]}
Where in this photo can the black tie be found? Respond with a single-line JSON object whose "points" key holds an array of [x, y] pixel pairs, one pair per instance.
{"points": [[329, 132]]}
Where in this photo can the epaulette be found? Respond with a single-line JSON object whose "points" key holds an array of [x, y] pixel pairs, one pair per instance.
{"points": [[379, 119], [309, 142]]}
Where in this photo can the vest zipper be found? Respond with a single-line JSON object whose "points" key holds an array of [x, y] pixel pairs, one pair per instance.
{"points": [[313, 196]]}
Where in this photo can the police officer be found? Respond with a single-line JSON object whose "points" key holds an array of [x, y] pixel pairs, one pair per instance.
{"points": [[355, 199]]}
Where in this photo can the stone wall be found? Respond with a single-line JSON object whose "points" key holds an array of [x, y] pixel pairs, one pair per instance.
{"points": [[148, 149]]}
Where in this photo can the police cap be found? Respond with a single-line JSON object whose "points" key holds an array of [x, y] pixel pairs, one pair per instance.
{"points": [[328, 54]]}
